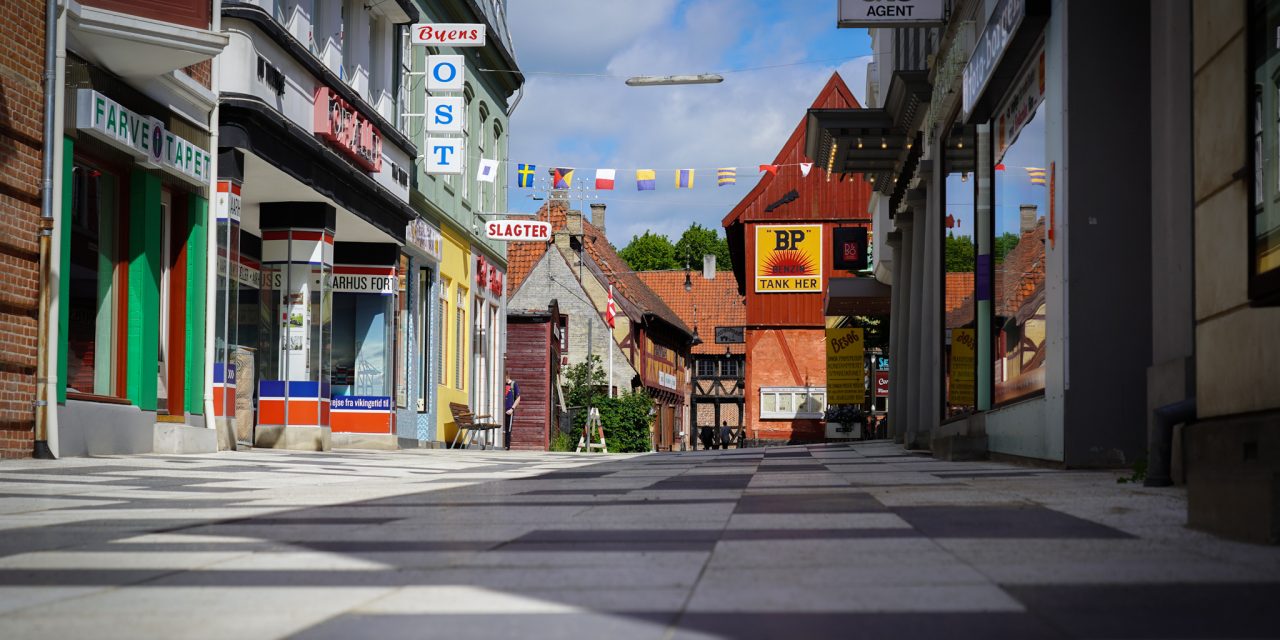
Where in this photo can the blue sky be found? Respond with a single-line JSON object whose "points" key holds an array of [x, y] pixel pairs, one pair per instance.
{"points": [[595, 120]]}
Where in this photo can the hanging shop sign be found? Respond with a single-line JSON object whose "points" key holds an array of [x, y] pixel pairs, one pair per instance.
{"points": [[421, 234], [143, 137], [849, 250], [226, 203], [1025, 96], [730, 335], [995, 39], [347, 129], [444, 156], [788, 259], [446, 114], [891, 13], [882, 384], [518, 230], [445, 73], [846, 380], [448, 34]]}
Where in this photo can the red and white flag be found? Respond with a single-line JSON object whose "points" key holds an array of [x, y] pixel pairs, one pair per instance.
{"points": [[604, 179], [610, 311]]}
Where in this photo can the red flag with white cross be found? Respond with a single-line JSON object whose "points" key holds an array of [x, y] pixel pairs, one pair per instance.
{"points": [[610, 311]]}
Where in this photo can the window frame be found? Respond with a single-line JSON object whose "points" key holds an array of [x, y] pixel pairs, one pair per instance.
{"points": [[1263, 288], [808, 393]]}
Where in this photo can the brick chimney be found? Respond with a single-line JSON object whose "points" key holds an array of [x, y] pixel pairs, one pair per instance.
{"points": [[597, 216], [1027, 218], [709, 267], [572, 228]]}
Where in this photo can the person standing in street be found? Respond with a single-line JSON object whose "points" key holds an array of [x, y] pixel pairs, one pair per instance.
{"points": [[511, 401]]}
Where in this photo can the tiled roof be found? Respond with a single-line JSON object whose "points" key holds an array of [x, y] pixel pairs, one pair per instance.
{"points": [[523, 256], [717, 300], [1020, 277], [625, 281], [959, 287]]}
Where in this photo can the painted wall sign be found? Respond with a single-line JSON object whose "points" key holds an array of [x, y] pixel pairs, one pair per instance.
{"points": [[419, 233], [347, 129], [845, 376], [361, 279], [143, 137], [667, 380], [444, 156], [890, 13], [788, 259], [1001, 26], [730, 335], [445, 73], [518, 230], [448, 34], [445, 114]]}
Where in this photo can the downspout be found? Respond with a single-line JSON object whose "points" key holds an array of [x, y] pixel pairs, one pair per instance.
{"points": [[211, 240], [46, 391]]}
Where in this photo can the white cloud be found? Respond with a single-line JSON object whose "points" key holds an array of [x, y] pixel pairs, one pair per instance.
{"points": [[593, 122]]}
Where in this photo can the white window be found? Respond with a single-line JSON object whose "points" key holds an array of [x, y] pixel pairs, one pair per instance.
{"points": [[793, 402]]}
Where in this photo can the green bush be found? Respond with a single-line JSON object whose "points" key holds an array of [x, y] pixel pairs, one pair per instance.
{"points": [[626, 419], [561, 441]]}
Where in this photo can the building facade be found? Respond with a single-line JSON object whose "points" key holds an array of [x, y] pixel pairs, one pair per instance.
{"points": [[649, 342], [781, 238]]}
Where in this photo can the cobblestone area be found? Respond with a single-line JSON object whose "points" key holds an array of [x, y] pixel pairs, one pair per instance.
{"points": [[802, 542]]}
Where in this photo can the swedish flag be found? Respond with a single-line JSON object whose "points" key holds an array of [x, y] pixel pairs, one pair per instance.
{"points": [[524, 175]]}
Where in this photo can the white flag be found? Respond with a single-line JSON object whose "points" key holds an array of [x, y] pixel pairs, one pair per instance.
{"points": [[804, 168], [487, 171]]}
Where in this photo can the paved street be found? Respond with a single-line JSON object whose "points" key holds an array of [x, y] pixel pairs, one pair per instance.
{"points": [[800, 542]]}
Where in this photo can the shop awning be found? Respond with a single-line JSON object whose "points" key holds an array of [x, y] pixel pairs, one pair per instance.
{"points": [[874, 142], [857, 297]]}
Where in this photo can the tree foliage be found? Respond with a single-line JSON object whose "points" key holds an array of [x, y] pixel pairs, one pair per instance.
{"points": [[650, 252], [958, 254], [698, 241], [1005, 243], [626, 419]]}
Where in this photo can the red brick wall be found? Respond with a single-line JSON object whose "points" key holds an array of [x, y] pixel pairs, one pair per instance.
{"points": [[21, 117], [784, 358], [200, 72]]}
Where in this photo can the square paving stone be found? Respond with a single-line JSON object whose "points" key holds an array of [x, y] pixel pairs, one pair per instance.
{"points": [[900, 626], [702, 482], [833, 502], [1002, 522]]}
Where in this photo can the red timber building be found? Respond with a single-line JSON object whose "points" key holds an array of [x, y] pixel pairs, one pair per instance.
{"points": [[771, 236]]}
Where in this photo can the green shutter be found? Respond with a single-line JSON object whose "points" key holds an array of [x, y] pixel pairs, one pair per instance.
{"points": [[197, 266], [145, 224]]}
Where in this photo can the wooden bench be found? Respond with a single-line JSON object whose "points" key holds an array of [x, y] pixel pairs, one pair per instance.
{"points": [[472, 425]]}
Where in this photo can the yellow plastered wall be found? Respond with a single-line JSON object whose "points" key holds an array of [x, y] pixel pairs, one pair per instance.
{"points": [[455, 271]]}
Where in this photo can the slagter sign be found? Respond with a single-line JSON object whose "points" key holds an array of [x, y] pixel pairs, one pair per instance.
{"points": [[347, 129], [522, 230]]}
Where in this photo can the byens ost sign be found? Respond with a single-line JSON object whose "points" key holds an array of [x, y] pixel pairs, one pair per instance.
{"points": [[348, 130], [448, 34], [141, 136], [518, 230], [891, 13]]}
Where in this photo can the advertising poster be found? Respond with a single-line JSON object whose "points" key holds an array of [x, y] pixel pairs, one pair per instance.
{"points": [[964, 365], [788, 259], [846, 380]]}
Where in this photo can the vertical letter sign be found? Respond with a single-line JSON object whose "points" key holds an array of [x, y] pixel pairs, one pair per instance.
{"points": [[846, 380], [445, 73]]}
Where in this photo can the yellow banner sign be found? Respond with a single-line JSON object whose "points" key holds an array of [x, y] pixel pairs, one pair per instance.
{"points": [[846, 375], [789, 258], [964, 351]]}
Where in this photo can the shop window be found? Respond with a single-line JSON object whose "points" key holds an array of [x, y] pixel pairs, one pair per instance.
{"points": [[442, 332], [92, 305], [959, 251], [1264, 219], [787, 403], [424, 334], [460, 337], [402, 332], [362, 325], [1021, 198]]}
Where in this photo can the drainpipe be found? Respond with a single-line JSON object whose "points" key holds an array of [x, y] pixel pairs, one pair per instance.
{"points": [[1160, 440], [46, 392], [211, 241]]}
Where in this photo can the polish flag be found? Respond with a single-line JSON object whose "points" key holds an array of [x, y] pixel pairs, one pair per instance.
{"points": [[610, 311], [604, 179]]}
